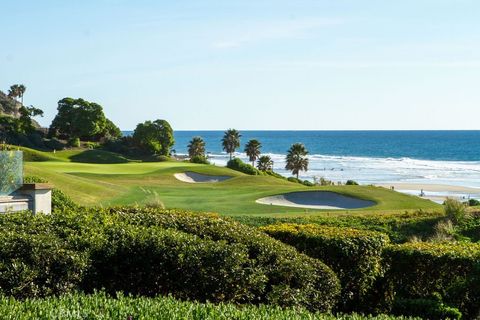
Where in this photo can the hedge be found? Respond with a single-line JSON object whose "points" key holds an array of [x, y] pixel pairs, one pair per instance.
{"points": [[420, 270], [149, 251], [290, 278], [355, 255]]}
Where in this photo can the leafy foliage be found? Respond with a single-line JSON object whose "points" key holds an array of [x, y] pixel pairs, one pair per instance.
{"points": [[419, 270], [238, 165], [355, 255], [154, 137], [149, 252], [78, 118]]}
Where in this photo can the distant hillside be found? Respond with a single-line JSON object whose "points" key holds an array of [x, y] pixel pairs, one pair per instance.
{"points": [[8, 105]]}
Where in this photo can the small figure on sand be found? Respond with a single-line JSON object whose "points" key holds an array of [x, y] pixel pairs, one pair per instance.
{"points": [[422, 194]]}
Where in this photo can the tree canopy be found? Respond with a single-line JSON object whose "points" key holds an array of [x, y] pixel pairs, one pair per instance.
{"points": [[78, 118], [155, 137]]}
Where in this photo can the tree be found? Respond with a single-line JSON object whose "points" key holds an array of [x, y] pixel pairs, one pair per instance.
{"points": [[252, 149], [21, 92], [78, 118], [154, 137], [265, 163], [297, 159], [196, 147], [231, 141], [25, 121], [14, 91]]}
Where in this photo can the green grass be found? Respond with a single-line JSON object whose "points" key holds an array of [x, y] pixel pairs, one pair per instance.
{"points": [[140, 183], [99, 306]]}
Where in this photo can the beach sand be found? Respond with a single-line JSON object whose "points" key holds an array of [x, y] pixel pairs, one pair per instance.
{"points": [[435, 192]]}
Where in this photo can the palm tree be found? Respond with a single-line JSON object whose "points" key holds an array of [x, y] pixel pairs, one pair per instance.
{"points": [[297, 159], [252, 149], [196, 147], [21, 91], [265, 163], [14, 92], [231, 141]]}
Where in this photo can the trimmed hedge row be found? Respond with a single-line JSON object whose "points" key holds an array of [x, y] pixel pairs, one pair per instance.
{"points": [[432, 280], [421, 270], [355, 255], [149, 252]]}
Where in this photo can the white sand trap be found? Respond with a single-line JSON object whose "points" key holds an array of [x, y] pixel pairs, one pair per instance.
{"points": [[193, 177], [316, 200]]}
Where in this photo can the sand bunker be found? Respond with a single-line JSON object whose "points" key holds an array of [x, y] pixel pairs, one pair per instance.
{"points": [[316, 200], [193, 177]]}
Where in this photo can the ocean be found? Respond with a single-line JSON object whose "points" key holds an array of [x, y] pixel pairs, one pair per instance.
{"points": [[368, 157]]}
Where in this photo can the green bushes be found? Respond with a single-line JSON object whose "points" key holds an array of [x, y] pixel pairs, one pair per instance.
{"points": [[238, 165], [74, 142], [351, 183], [355, 255], [289, 279], [149, 252], [37, 265], [433, 309], [199, 159], [419, 270]]}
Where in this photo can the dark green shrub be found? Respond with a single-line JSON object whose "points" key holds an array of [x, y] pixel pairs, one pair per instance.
{"points": [[293, 179], [473, 202], [37, 265], [289, 278], [351, 183], [199, 159], [238, 165], [74, 142], [426, 308], [355, 255], [307, 183], [54, 144], [419, 270], [146, 251]]}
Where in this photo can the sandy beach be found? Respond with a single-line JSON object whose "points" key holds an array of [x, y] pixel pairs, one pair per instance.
{"points": [[435, 192]]}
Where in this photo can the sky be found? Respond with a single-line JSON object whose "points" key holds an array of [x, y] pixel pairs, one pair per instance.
{"points": [[251, 65]]}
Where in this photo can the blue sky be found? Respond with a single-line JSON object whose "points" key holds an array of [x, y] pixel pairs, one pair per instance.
{"points": [[307, 65]]}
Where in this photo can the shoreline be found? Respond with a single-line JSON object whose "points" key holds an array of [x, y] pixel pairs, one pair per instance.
{"points": [[434, 192]]}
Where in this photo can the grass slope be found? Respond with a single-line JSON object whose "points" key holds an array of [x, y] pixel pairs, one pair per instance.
{"points": [[130, 182]]}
